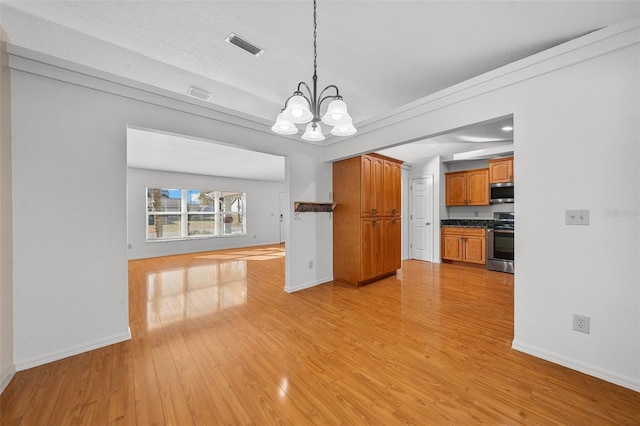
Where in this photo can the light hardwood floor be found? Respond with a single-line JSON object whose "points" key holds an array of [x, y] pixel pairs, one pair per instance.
{"points": [[217, 341]]}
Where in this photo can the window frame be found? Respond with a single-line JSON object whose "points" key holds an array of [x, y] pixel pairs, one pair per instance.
{"points": [[219, 214]]}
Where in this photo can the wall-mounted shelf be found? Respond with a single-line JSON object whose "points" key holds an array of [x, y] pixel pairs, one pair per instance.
{"points": [[307, 206]]}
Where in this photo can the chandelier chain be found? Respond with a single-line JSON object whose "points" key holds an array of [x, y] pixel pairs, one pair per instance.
{"points": [[315, 43]]}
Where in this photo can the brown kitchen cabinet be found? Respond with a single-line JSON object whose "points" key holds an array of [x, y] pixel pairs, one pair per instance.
{"points": [[392, 178], [464, 244], [467, 188], [372, 185], [501, 170], [392, 243], [367, 218]]}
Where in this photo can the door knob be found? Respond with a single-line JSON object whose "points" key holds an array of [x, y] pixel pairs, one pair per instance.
{"points": [[428, 223]]}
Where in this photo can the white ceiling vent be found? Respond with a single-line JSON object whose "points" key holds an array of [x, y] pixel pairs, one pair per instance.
{"points": [[244, 44], [198, 93]]}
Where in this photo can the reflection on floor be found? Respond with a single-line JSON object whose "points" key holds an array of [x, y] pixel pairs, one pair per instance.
{"points": [[186, 292], [253, 254]]}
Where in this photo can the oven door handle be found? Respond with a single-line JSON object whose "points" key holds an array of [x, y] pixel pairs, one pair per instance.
{"points": [[501, 231]]}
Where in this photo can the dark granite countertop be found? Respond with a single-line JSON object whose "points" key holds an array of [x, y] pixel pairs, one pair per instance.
{"points": [[467, 223]]}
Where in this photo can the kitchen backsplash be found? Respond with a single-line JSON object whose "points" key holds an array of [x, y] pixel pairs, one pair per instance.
{"points": [[477, 212], [471, 223]]}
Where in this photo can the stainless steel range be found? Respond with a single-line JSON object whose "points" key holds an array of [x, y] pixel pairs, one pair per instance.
{"points": [[500, 242]]}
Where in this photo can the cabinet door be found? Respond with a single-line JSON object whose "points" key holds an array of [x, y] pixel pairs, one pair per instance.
{"points": [[478, 187], [367, 242], [377, 186], [474, 249], [451, 247], [392, 179], [456, 188], [372, 246], [501, 170], [372, 180], [366, 179], [392, 248]]}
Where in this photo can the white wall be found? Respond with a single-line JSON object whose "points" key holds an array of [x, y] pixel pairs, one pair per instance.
{"points": [[7, 368], [69, 151], [262, 218], [576, 110]]}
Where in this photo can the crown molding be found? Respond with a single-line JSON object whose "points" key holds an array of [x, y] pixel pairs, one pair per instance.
{"points": [[583, 48], [47, 66]]}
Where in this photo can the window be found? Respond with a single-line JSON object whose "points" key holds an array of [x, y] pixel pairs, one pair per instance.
{"points": [[194, 213]]}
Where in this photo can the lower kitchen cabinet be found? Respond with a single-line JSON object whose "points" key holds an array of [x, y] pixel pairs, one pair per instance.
{"points": [[392, 253], [372, 249], [380, 248], [464, 244]]}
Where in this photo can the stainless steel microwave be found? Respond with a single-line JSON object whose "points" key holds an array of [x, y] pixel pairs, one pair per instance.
{"points": [[501, 193]]}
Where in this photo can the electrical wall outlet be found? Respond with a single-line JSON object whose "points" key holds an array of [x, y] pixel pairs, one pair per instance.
{"points": [[311, 264], [576, 217], [581, 323]]}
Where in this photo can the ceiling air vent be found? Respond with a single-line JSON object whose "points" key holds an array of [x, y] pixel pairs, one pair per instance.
{"points": [[198, 93], [244, 44]]}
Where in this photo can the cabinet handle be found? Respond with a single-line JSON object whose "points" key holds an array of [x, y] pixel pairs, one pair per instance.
{"points": [[394, 211], [374, 223], [374, 211]]}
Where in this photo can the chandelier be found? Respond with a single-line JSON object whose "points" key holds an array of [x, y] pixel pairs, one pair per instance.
{"points": [[301, 108]]}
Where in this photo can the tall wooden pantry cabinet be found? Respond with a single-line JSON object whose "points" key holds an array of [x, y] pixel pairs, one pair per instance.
{"points": [[367, 218]]}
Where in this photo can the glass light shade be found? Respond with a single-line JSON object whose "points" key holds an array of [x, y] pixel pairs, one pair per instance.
{"points": [[283, 126], [312, 133], [344, 129], [336, 113], [297, 110]]}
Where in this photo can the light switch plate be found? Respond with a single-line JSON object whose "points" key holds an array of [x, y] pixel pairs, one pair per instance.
{"points": [[576, 217]]}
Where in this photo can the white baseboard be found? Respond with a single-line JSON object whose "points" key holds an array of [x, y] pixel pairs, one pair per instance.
{"points": [[591, 370], [6, 377], [308, 285], [73, 350]]}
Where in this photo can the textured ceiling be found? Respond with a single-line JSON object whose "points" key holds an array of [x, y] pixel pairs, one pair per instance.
{"points": [[381, 54]]}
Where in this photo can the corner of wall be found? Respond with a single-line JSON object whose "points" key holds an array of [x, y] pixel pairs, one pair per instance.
{"points": [[6, 376], [7, 367]]}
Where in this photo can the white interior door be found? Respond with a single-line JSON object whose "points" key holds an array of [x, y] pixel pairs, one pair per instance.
{"points": [[282, 207], [421, 218]]}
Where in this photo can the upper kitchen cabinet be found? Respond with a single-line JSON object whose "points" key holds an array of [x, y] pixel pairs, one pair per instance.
{"points": [[467, 188], [380, 192], [392, 178], [372, 189], [501, 170]]}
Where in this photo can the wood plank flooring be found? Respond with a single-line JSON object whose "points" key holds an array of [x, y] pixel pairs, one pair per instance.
{"points": [[216, 341]]}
